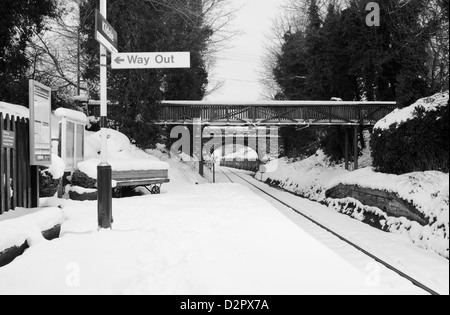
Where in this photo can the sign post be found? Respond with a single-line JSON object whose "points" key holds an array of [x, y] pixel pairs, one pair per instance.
{"points": [[168, 60], [40, 103], [107, 37]]}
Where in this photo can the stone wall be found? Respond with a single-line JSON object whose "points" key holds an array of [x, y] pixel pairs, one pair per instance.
{"points": [[389, 202]]}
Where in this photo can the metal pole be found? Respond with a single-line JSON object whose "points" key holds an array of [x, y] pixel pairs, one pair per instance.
{"points": [[79, 61], [104, 173], [356, 148], [214, 171]]}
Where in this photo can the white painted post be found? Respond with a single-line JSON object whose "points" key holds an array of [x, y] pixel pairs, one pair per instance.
{"points": [[103, 91], [104, 172]]}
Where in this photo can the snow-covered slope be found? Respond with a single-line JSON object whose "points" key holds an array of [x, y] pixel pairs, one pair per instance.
{"points": [[402, 115], [428, 191]]}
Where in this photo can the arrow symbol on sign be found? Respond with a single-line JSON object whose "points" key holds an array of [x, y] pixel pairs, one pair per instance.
{"points": [[119, 60]]}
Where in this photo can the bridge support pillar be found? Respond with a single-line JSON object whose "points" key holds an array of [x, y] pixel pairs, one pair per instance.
{"points": [[198, 145], [346, 152]]}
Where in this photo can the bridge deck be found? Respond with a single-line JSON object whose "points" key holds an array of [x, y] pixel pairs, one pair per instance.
{"points": [[274, 113]]}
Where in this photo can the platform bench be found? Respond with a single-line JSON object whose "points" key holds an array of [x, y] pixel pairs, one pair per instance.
{"points": [[152, 180]]}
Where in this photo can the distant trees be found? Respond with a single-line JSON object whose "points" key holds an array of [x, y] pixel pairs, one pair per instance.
{"points": [[336, 54], [20, 21]]}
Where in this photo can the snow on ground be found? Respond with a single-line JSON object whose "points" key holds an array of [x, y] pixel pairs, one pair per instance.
{"points": [[181, 173], [22, 225], [204, 239], [428, 191], [425, 266], [307, 178], [402, 115]]}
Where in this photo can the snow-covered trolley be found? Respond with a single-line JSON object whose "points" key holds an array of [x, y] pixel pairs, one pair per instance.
{"points": [[152, 180], [131, 166]]}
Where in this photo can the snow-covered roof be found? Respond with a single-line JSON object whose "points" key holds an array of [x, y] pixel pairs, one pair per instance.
{"points": [[14, 110], [72, 115], [400, 116]]}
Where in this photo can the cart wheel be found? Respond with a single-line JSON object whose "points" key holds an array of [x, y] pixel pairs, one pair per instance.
{"points": [[156, 190], [117, 192]]}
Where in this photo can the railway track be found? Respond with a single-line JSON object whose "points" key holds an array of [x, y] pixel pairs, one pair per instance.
{"points": [[386, 264]]}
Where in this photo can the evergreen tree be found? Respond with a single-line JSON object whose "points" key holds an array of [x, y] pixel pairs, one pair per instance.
{"points": [[342, 56], [21, 19], [291, 69], [390, 59], [316, 86], [149, 27]]}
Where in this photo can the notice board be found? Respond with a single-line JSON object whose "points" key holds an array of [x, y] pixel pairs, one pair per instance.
{"points": [[40, 124]]}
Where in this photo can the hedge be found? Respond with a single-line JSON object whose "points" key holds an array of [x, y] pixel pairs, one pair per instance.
{"points": [[418, 145]]}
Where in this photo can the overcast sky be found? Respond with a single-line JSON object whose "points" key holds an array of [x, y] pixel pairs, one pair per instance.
{"points": [[239, 65]]}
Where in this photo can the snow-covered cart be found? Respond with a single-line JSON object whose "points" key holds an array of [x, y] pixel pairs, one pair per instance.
{"points": [[152, 180]]}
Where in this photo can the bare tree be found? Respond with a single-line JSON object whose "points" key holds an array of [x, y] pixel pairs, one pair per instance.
{"points": [[56, 54], [58, 60], [292, 19], [438, 45]]}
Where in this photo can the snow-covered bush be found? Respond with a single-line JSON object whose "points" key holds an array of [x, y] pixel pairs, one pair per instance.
{"points": [[414, 139], [80, 179], [50, 178]]}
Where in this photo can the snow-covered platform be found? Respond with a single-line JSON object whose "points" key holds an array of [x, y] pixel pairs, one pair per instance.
{"points": [[203, 239]]}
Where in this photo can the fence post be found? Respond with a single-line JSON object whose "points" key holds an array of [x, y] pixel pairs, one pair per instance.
{"points": [[28, 192], [347, 166], [8, 169], [15, 169], [34, 186], [2, 170], [356, 147]]}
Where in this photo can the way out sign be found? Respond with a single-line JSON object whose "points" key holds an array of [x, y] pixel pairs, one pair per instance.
{"points": [[169, 60]]}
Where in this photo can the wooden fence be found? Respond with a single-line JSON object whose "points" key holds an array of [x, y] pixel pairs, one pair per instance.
{"points": [[15, 174]]}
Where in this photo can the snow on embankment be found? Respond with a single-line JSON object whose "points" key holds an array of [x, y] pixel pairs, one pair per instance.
{"points": [[122, 155], [399, 116], [307, 178], [428, 192], [182, 170]]}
